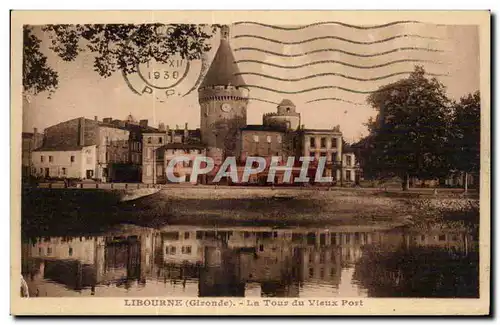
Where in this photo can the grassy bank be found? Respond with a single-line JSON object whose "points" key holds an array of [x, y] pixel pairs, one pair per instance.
{"points": [[72, 211], [299, 207]]}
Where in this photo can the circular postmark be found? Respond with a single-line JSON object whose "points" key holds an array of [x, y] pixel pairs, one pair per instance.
{"points": [[177, 77], [164, 76]]}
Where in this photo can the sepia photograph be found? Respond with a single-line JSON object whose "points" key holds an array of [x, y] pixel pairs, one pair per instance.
{"points": [[261, 163]]}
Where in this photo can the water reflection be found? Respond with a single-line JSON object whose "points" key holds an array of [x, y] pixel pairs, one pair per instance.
{"points": [[348, 261]]}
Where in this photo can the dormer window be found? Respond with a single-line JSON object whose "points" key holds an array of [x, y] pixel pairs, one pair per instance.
{"points": [[288, 109]]}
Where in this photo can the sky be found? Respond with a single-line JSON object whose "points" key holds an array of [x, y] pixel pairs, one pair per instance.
{"points": [[275, 61]]}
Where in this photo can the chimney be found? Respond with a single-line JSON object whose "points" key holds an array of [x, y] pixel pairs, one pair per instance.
{"points": [[186, 132], [143, 123], [95, 118], [81, 131], [177, 126], [161, 127], [35, 131], [167, 131]]}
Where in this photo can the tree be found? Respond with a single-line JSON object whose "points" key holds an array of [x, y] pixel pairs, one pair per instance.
{"points": [[117, 47], [227, 134], [409, 136], [466, 129]]}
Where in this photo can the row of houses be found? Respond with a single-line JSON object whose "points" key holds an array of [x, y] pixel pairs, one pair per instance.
{"points": [[128, 150], [113, 150]]}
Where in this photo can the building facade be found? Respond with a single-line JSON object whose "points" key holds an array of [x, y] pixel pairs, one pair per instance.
{"points": [[262, 141], [74, 163], [30, 142], [159, 148], [69, 150], [325, 144], [153, 157], [105, 151]]}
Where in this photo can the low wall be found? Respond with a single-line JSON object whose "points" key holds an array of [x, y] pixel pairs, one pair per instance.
{"points": [[101, 186]]}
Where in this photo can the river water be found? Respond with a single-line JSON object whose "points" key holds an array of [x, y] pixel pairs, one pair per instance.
{"points": [[191, 261]]}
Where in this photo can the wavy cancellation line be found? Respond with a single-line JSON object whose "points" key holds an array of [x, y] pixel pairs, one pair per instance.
{"points": [[399, 49], [400, 22], [339, 62], [335, 99], [312, 89], [336, 38], [263, 100], [310, 101], [325, 74]]}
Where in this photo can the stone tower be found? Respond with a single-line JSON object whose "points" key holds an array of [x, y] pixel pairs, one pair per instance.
{"points": [[286, 116], [223, 98]]}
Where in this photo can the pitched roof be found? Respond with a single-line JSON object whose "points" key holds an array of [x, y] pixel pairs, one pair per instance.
{"points": [[328, 131], [184, 146], [64, 147], [259, 127], [223, 71]]}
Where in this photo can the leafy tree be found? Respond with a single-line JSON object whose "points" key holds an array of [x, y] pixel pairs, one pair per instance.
{"points": [[466, 129], [227, 134], [409, 136], [117, 47], [37, 75]]}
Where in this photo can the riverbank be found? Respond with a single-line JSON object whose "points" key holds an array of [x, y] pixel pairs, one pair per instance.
{"points": [[73, 211], [66, 211]]}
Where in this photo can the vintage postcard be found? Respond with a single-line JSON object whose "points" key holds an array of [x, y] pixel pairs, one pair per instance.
{"points": [[250, 163]]}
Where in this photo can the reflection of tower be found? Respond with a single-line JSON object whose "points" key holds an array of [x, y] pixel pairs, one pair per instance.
{"points": [[146, 253], [220, 275], [223, 99]]}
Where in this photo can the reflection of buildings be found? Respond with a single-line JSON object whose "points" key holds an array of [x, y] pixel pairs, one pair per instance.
{"points": [[448, 239], [428, 263], [224, 261], [84, 262]]}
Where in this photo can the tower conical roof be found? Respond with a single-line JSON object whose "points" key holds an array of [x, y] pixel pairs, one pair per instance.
{"points": [[223, 71]]}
